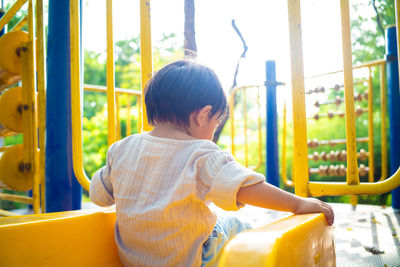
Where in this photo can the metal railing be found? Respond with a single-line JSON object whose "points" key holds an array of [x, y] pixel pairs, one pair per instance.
{"points": [[33, 101], [369, 139], [76, 84], [303, 186], [245, 120]]}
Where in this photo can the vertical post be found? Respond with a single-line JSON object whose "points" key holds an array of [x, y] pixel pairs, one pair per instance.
{"points": [[145, 54], [394, 107], [63, 192], [112, 132], [272, 162], [300, 153], [352, 167]]}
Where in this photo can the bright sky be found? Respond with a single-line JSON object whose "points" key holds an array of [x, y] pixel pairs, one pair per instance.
{"points": [[263, 23]]}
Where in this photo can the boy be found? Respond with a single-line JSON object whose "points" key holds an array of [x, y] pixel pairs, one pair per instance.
{"points": [[160, 181]]}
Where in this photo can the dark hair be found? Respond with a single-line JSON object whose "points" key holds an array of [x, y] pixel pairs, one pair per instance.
{"points": [[180, 88]]}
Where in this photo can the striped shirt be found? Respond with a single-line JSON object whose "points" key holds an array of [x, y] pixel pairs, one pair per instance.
{"points": [[160, 188]]}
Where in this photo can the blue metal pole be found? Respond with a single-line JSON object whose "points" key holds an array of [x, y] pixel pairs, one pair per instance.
{"points": [[272, 161], [63, 192], [394, 107]]}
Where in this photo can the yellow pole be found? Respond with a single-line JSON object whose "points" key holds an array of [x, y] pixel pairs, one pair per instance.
{"points": [[112, 132], [145, 54], [336, 189], [139, 109], [352, 167], [232, 119], [33, 110], [259, 130], [383, 122], [21, 23], [41, 85], [11, 12], [128, 116], [76, 116], [284, 174], [300, 155], [371, 161], [118, 123], [246, 158]]}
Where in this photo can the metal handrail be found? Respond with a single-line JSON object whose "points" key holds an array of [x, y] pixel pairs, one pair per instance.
{"points": [[232, 119], [302, 185], [11, 12], [76, 112]]}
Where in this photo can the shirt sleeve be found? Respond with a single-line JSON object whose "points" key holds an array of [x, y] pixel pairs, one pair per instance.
{"points": [[227, 177], [101, 190]]}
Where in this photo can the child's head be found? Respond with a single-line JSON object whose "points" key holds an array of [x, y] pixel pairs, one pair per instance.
{"points": [[181, 88]]}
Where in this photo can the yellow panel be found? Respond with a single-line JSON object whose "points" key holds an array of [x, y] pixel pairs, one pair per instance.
{"points": [[10, 172], [10, 60], [73, 238], [11, 109], [300, 240]]}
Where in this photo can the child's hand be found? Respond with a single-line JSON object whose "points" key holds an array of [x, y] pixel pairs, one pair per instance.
{"points": [[312, 205]]}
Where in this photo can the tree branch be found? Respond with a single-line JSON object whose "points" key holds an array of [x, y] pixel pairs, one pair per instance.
{"points": [[243, 55]]}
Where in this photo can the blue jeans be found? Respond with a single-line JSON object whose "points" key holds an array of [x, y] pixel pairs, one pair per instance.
{"points": [[224, 230]]}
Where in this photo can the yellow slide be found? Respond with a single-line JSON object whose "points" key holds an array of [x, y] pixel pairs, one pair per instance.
{"points": [[86, 238]]}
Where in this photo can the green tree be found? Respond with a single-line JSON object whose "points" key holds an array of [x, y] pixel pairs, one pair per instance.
{"points": [[127, 75]]}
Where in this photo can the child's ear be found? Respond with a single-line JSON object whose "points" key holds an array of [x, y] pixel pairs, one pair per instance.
{"points": [[203, 115]]}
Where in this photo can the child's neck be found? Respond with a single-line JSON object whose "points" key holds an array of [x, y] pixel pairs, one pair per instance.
{"points": [[171, 131]]}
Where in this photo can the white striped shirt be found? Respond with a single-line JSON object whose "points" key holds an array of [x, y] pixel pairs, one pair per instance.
{"points": [[160, 187]]}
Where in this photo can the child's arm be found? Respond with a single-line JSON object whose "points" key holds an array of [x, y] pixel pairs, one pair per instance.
{"points": [[101, 189], [268, 196]]}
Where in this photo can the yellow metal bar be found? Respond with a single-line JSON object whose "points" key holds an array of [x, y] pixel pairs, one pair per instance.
{"points": [[76, 116], [11, 12], [371, 161], [145, 54], [336, 189], [259, 131], [128, 116], [41, 85], [27, 106], [232, 122], [118, 123], [33, 111], [352, 168], [16, 198], [21, 23], [246, 158], [5, 213], [300, 159], [103, 89], [139, 109], [112, 131], [364, 65], [383, 122], [285, 179], [232, 119], [4, 148]]}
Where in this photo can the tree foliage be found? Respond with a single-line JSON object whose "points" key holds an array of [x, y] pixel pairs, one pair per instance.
{"points": [[127, 75]]}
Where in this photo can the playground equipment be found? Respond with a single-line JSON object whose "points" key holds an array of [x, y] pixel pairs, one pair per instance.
{"points": [[232, 101], [80, 230], [22, 60], [362, 155]]}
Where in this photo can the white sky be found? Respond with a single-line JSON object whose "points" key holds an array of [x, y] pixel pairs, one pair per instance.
{"points": [[263, 23]]}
